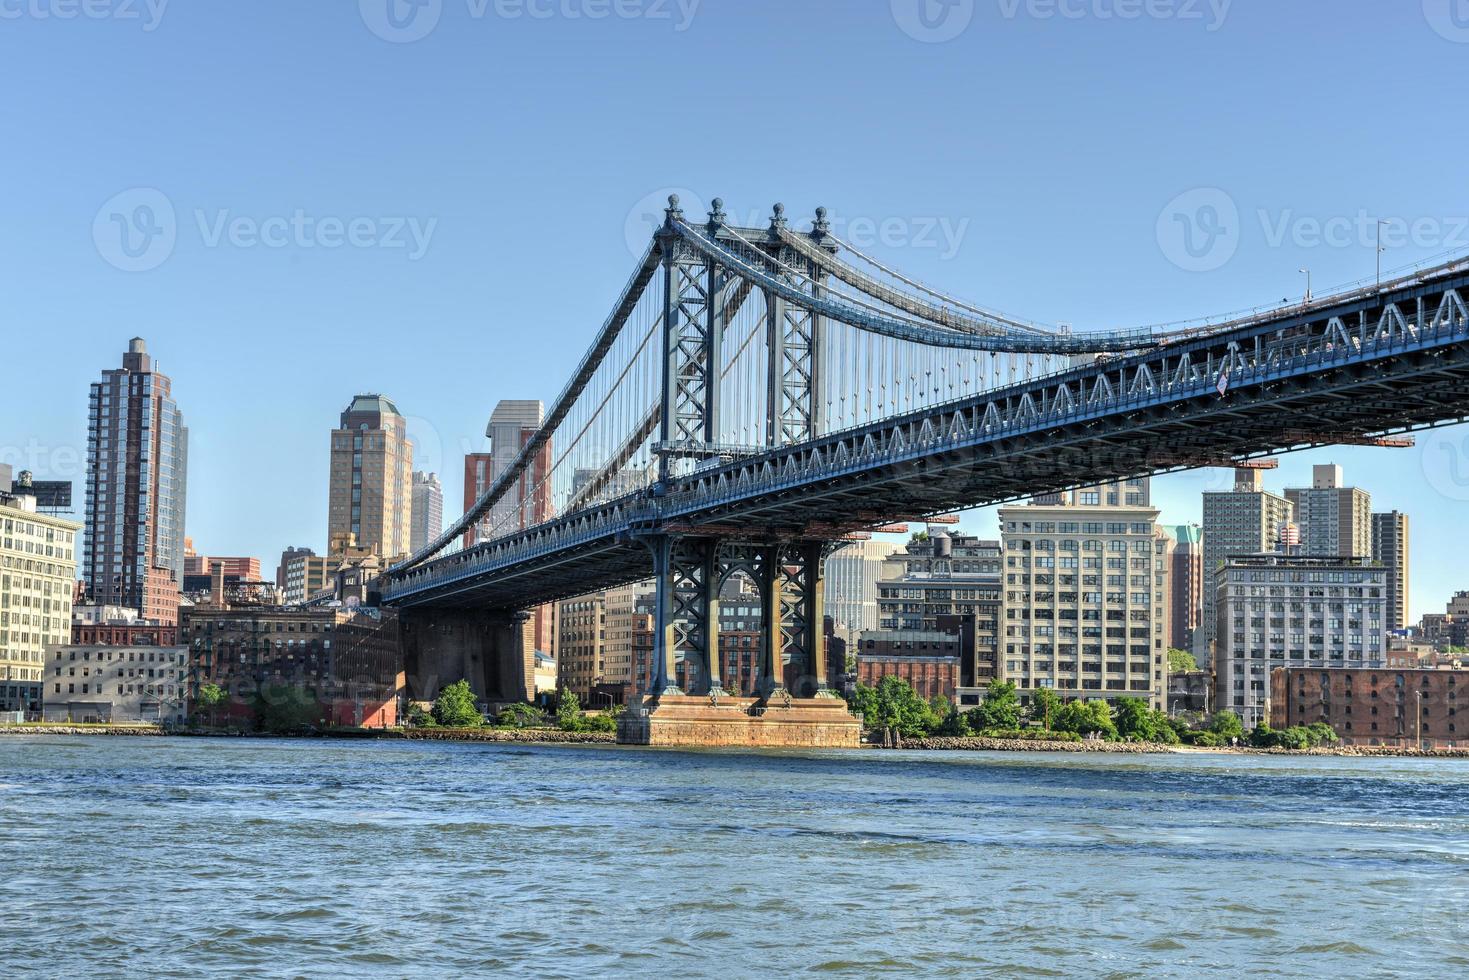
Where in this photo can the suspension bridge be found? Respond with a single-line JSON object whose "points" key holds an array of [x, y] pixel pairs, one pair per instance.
{"points": [[759, 395]]}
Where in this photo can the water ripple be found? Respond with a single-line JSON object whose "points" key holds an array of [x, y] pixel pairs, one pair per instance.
{"points": [[183, 858]]}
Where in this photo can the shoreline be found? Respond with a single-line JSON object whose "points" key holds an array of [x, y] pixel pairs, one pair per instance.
{"points": [[548, 736]]}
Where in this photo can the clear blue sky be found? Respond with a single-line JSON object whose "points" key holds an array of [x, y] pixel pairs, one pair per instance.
{"points": [[1054, 149]]}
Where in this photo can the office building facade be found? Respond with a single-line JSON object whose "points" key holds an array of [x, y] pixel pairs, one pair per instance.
{"points": [[947, 575], [1246, 520], [427, 510], [1086, 600], [370, 494], [38, 569], [1299, 611], [851, 574]]}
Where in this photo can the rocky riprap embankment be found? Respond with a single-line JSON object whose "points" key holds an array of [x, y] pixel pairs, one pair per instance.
{"points": [[80, 730], [509, 735], [975, 742]]}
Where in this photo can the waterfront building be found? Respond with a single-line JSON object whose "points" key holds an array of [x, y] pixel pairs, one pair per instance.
{"points": [[851, 576], [1375, 706], [1086, 598], [1335, 520], [370, 493], [137, 488], [928, 660], [1243, 521], [1308, 611], [1390, 549], [617, 646], [1185, 583], [349, 662], [130, 681], [948, 582], [427, 511], [38, 568], [581, 632]]}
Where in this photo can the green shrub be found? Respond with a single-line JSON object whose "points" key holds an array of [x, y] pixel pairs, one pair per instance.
{"points": [[520, 716], [1029, 734], [598, 723]]}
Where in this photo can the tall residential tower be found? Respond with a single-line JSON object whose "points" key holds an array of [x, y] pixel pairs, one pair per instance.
{"points": [[1390, 548], [137, 478]]}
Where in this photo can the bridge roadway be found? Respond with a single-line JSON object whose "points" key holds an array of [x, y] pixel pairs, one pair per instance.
{"points": [[1373, 363]]}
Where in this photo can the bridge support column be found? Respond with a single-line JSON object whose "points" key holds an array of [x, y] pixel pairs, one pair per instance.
{"points": [[793, 706]]}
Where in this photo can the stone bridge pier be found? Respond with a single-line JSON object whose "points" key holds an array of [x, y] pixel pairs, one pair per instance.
{"points": [[492, 649], [794, 706]]}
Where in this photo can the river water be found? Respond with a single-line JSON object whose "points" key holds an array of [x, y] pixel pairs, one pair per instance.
{"points": [[214, 857]]}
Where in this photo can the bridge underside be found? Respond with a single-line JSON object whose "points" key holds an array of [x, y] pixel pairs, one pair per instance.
{"points": [[1410, 389]]}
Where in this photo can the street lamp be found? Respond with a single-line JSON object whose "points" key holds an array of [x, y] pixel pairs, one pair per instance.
{"points": [[1308, 284], [1380, 223]]}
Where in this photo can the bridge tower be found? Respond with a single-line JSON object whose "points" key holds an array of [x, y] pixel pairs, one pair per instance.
{"points": [[691, 565]]}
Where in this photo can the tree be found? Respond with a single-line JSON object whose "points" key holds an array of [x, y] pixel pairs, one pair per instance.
{"points": [[1227, 725], [1135, 719], [1085, 718], [208, 698], [455, 707], [568, 712], [893, 704], [999, 710], [1044, 703], [1181, 661]]}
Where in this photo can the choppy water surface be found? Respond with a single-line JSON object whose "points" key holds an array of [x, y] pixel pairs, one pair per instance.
{"points": [[178, 857]]}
